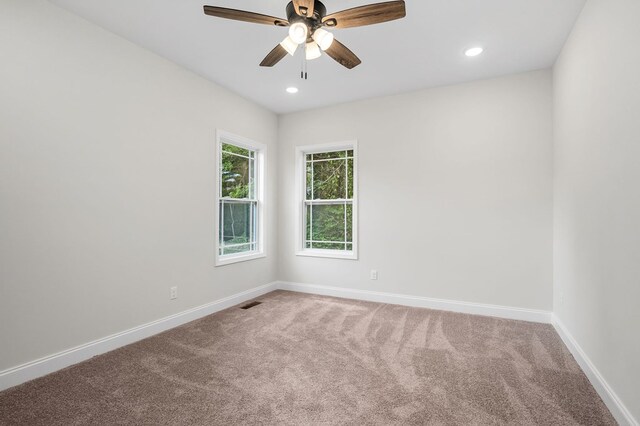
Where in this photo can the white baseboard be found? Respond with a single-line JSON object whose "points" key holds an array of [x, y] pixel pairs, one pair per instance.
{"points": [[523, 314], [43, 366], [609, 397]]}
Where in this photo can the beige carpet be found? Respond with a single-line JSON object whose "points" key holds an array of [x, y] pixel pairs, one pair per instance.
{"points": [[302, 359]]}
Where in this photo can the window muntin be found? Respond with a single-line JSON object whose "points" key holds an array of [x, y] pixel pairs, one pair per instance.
{"points": [[239, 198], [328, 218]]}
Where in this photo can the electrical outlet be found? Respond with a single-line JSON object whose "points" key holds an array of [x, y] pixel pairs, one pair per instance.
{"points": [[173, 293], [374, 274], [561, 298]]}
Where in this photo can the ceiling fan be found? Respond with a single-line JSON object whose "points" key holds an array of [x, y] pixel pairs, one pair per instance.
{"points": [[306, 19]]}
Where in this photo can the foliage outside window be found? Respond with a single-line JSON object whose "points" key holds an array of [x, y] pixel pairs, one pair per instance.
{"points": [[328, 218], [238, 201]]}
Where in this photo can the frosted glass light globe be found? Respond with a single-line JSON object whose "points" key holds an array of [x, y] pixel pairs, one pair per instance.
{"points": [[323, 38], [298, 32], [289, 45], [312, 51]]}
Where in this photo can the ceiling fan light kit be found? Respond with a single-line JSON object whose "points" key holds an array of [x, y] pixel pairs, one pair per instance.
{"points": [[305, 19]]}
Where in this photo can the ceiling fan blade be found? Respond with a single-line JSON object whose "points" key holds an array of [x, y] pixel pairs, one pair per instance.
{"points": [[304, 7], [366, 15], [274, 56], [341, 54], [241, 15]]}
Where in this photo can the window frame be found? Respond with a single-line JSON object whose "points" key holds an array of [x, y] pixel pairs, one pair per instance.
{"points": [[259, 176], [301, 190]]}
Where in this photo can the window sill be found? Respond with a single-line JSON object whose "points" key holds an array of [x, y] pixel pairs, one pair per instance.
{"points": [[331, 254], [229, 260]]}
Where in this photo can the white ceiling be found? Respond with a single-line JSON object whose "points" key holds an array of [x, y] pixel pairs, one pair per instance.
{"points": [[425, 49]]}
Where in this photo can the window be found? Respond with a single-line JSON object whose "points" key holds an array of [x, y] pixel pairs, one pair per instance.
{"points": [[327, 177], [239, 199]]}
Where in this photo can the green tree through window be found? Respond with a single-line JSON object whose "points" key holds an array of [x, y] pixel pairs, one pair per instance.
{"points": [[238, 202], [329, 200]]}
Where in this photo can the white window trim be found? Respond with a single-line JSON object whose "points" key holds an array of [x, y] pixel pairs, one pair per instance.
{"points": [[301, 173], [260, 173]]}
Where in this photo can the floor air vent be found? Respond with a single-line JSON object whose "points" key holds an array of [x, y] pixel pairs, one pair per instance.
{"points": [[250, 305]]}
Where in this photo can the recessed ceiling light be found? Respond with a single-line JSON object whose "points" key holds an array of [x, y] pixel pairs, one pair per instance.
{"points": [[474, 51], [292, 90]]}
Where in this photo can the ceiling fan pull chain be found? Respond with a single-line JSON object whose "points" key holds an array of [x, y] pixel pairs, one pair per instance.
{"points": [[306, 63]]}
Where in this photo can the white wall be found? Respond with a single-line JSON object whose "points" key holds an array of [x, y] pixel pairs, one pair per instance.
{"points": [[597, 191], [107, 179], [107, 184], [455, 192]]}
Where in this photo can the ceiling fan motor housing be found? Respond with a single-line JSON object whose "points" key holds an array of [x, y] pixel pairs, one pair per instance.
{"points": [[314, 22]]}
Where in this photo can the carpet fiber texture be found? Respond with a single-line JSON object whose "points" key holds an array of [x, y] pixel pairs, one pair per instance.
{"points": [[304, 359]]}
